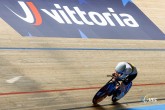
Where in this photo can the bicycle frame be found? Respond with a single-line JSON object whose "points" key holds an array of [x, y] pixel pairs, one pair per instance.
{"points": [[107, 90]]}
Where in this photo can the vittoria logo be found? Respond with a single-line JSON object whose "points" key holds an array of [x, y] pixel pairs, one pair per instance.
{"points": [[114, 19], [32, 14], [64, 15]]}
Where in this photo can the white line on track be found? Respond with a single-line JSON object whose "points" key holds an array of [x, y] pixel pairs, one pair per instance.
{"points": [[13, 80]]}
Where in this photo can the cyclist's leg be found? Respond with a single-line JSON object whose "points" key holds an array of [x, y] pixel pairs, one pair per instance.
{"points": [[121, 90], [124, 84]]}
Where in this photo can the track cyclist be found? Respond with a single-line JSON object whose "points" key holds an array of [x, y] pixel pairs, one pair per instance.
{"points": [[126, 73]]}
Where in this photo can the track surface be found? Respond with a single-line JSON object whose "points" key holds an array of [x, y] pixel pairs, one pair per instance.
{"points": [[62, 79]]}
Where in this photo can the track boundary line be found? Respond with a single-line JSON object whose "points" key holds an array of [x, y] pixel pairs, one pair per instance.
{"points": [[103, 49], [70, 89]]}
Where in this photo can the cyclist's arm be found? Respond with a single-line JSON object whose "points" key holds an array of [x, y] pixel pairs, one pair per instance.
{"points": [[124, 75]]}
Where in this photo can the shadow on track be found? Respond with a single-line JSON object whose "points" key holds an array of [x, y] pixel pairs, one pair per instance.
{"points": [[116, 106]]}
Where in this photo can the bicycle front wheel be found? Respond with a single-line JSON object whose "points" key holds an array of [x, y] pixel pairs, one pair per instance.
{"points": [[103, 93]]}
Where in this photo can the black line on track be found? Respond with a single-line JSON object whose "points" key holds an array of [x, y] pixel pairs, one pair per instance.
{"points": [[117, 105], [81, 49]]}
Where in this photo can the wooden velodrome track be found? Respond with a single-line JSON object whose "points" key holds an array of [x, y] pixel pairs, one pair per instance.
{"points": [[34, 78]]}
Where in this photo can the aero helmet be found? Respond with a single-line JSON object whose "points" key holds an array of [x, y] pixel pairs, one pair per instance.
{"points": [[120, 67]]}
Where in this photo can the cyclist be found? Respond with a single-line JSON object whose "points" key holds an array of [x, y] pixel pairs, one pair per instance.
{"points": [[126, 73]]}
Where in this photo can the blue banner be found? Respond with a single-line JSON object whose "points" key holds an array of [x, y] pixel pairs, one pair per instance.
{"points": [[112, 19]]}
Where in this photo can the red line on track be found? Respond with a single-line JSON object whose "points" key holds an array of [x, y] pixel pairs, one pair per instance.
{"points": [[70, 89], [152, 84]]}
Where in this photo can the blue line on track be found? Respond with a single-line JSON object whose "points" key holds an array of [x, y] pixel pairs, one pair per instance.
{"points": [[153, 107], [111, 49]]}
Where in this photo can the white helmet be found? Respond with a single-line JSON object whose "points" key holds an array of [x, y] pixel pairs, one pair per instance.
{"points": [[120, 67]]}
